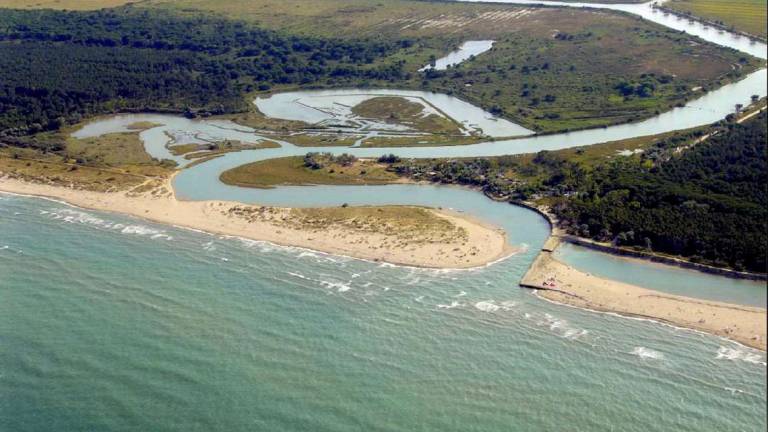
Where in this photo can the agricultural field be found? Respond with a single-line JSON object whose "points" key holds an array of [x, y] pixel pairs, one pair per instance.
{"points": [[750, 16]]}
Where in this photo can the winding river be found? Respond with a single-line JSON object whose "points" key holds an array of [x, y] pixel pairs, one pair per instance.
{"points": [[201, 182], [288, 339]]}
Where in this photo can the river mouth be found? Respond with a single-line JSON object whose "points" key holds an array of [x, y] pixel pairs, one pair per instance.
{"points": [[228, 333], [201, 182]]}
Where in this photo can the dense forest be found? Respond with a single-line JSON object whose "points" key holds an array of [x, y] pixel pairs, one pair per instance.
{"points": [[708, 202], [57, 67]]}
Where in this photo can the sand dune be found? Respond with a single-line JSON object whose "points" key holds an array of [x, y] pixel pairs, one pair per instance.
{"points": [[461, 243]]}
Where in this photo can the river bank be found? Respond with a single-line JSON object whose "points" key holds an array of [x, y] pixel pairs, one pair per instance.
{"points": [[409, 236], [564, 284], [708, 22]]}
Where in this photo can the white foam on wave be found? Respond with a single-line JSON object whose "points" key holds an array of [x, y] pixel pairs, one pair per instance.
{"points": [[453, 304], [461, 294], [339, 286], [145, 231], [487, 306], [745, 355], [508, 304], [561, 327], [81, 217], [413, 281], [647, 353]]}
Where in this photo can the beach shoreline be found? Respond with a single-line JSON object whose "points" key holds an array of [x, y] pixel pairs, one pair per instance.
{"points": [[481, 245], [561, 283]]}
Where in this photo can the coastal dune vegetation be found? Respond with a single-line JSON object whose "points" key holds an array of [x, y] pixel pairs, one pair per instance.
{"points": [[699, 194], [550, 69]]}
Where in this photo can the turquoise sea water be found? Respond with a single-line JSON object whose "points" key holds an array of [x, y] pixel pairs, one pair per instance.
{"points": [[113, 323]]}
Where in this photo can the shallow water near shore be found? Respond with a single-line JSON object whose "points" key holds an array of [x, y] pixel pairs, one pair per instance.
{"points": [[664, 278], [114, 323], [102, 330]]}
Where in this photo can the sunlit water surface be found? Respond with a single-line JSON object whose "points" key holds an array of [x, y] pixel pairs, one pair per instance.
{"points": [[113, 323]]}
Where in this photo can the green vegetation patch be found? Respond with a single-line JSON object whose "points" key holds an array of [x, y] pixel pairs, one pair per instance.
{"points": [[399, 110], [313, 169], [699, 194], [551, 69], [748, 16], [411, 225], [110, 149]]}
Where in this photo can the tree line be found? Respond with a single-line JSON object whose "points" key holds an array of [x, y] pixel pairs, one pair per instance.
{"points": [[707, 203], [58, 67]]}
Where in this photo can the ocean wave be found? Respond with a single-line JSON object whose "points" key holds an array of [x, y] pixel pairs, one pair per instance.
{"points": [[562, 327], [145, 231], [453, 304], [487, 306], [298, 275], [647, 353], [508, 304], [734, 354], [84, 218], [338, 286]]}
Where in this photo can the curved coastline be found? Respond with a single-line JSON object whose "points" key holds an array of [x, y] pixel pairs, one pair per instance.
{"points": [[196, 183], [479, 245], [562, 283]]}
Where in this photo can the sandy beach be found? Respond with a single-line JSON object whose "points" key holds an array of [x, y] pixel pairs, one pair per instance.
{"points": [[475, 243], [564, 284]]}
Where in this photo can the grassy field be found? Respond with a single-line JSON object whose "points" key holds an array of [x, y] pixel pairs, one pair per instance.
{"points": [[405, 223], [116, 161], [291, 171], [750, 16], [110, 149], [53, 169], [399, 110]]}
